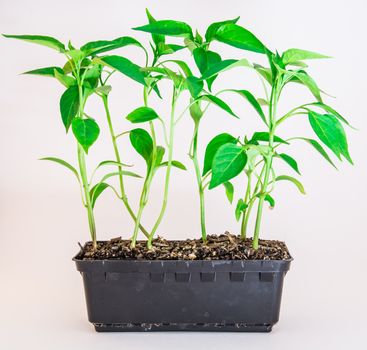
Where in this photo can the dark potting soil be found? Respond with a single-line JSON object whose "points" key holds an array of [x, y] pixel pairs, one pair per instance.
{"points": [[222, 247]]}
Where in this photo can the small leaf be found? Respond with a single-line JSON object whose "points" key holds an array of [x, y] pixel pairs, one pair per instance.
{"points": [[290, 161], [142, 143], [167, 49], [104, 89], [220, 103], [240, 208], [69, 105], [237, 36], [97, 47], [212, 29], [159, 156], [195, 86], [142, 114], [222, 66], [229, 191], [96, 191], [86, 132], [124, 66], [318, 148], [331, 132], [205, 59], [64, 163], [306, 80], [41, 40], [270, 200], [64, 79], [212, 148], [295, 55], [176, 164], [292, 179], [167, 27], [47, 71], [157, 38], [112, 162], [331, 110], [264, 136], [252, 100], [228, 162]]}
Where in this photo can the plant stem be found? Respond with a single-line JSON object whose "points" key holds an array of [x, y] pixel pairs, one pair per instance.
{"points": [[199, 181], [168, 171], [88, 205], [246, 201], [83, 168], [118, 159]]}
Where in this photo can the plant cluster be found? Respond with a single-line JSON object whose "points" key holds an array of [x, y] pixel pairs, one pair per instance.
{"points": [[87, 71]]}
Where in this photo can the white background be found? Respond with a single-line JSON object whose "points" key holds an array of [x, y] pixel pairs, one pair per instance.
{"points": [[41, 217]]}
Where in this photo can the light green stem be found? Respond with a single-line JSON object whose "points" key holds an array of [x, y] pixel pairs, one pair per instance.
{"points": [[168, 170], [199, 182], [246, 201], [118, 159]]}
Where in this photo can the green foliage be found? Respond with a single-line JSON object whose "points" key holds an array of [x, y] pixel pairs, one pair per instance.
{"points": [[86, 132], [142, 114], [40, 40], [167, 27], [69, 106], [142, 143]]}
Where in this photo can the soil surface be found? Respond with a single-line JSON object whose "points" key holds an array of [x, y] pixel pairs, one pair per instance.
{"points": [[222, 247]]}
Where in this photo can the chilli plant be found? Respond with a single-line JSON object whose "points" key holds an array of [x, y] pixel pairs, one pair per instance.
{"points": [[87, 71]]}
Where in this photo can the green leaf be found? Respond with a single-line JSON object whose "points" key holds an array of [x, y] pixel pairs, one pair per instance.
{"points": [[331, 132], [228, 162], [157, 38], [212, 29], [205, 59], [63, 163], [64, 79], [41, 40], [176, 164], [264, 136], [167, 49], [220, 103], [266, 73], [167, 27], [96, 191], [237, 36], [240, 208], [159, 156], [124, 66], [295, 55], [116, 173], [306, 80], [252, 100], [331, 110], [142, 115], [223, 66], [111, 162], [270, 200], [142, 143], [318, 148], [195, 110], [69, 106], [97, 47], [212, 148], [184, 67], [195, 85], [290, 161], [292, 179], [229, 191], [47, 71], [86, 132]]}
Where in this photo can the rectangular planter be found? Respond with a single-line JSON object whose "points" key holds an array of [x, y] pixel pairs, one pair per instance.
{"points": [[199, 295]]}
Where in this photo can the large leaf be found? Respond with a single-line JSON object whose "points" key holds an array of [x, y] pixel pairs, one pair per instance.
{"points": [[86, 132], [41, 40], [205, 59], [331, 132], [220, 103], [142, 114], [228, 162], [293, 180], [142, 143], [212, 148], [212, 29], [167, 27], [253, 101], [97, 47], [237, 36], [295, 55], [331, 110], [47, 71], [264, 136], [124, 66], [290, 161], [69, 105], [63, 163]]}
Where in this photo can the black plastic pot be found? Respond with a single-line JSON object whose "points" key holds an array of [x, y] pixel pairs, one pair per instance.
{"points": [[240, 296]]}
